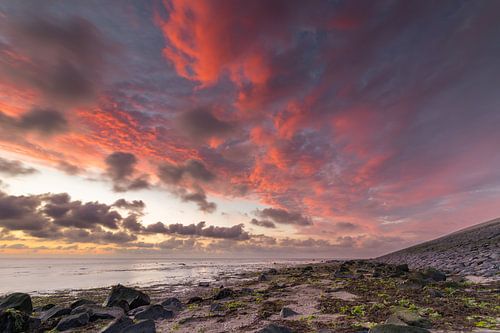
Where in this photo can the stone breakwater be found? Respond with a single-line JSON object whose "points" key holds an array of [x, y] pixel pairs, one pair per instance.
{"points": [[341, 297], [472, 251]]}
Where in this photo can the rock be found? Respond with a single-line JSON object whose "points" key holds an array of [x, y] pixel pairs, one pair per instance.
{"points": [[12, 321], [96, 312], [434, 275], [134, 298], [343, 274], [272, 271], [402, 268], [154, 312], [273, 328], [263, 277], [195, 299], [224, 293], [204, 284], [287, 312], [43, 307], [143, 326], [216, 307], [434, 293], [408, 317], [390, 328], [18, 301], [54, 312], [79, 302], [73, 321], [172, 303], [118, 325]]}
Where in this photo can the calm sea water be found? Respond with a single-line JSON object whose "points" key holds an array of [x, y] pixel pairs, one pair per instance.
{"points": [[40, 276]]}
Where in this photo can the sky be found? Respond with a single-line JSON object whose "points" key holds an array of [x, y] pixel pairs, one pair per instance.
{"points": [[266, 128]]}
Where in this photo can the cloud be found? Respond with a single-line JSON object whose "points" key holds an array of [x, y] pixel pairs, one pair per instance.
{"points": [[235, 232], [15, 168], [172, 174], [135, 205], [43, 121], [263, 223], [121, 166], [283, 216], [201, 124], [200, 198]]}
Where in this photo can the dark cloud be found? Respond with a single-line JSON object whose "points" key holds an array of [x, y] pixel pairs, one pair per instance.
{"points": [[235, 232], [15, 168], [200, 198], [69, 168], [131, 223], [121, 167], [346, 226], [201, 124], [283, 216], [172, 174], [43, 121], [135, 205], [65, 58], [263, 223]]}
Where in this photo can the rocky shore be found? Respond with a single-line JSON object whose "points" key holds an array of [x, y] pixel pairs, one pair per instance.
{"points": [[472, 251], [350, 296]]}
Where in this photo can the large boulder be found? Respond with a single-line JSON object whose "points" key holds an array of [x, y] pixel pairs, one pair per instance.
{"points": [[73, 321], [18, 301], [54, 312], [96, 312], [273, 328], [154, 312], [391, 328], [133, 297], [118, 325], [143, 326], [13, 321], [79, 302], [172, 303]]}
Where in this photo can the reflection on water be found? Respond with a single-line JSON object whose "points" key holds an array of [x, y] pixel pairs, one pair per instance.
{"points": [[48, 275]]}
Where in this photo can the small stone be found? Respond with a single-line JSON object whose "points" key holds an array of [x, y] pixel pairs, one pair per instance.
{"points": [[272, 271], [224, 293], [195, 299], [18, 301], [154, 312], [390, 328], [172, 303], [287, 312], [216, 307], [273, 328], [118, 325], [73, 321], [263, 277], [204, 284], [143, 326]]}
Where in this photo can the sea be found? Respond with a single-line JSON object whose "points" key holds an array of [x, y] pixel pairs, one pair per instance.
{"points": [[50, 275]]}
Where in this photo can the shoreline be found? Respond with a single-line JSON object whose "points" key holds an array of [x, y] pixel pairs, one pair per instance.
{"points": [[333, 296]]}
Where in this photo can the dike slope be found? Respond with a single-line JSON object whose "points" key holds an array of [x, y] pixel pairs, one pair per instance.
{"points": [[471, 251]]}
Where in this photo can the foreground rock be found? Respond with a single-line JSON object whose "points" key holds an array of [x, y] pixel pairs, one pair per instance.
{"points": [[143, 326], [172, 303], [12, 321], [391, 328], [18, 301], [73, 321], [97, 312], [134, 298], [118, 325], [154, 312], [273, 328]]}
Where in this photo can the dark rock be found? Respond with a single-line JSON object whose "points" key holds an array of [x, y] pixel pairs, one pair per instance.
{"points": [[204, 284], [434, 292], [272, 271], [172, 303], [124, 305], [79, 302], [403, 268], [273, 328], [12, 321], [54, 312], [133, 297], [43, 307], [143, 326], [307, 269], [216, 307], [154, 312], [408, 317], [390, 328], [73, 321], [434, 275], [118, 325], [18, 301], [287, 312], [224, 293], [263, 277], [96, 312], [195, 299]]}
